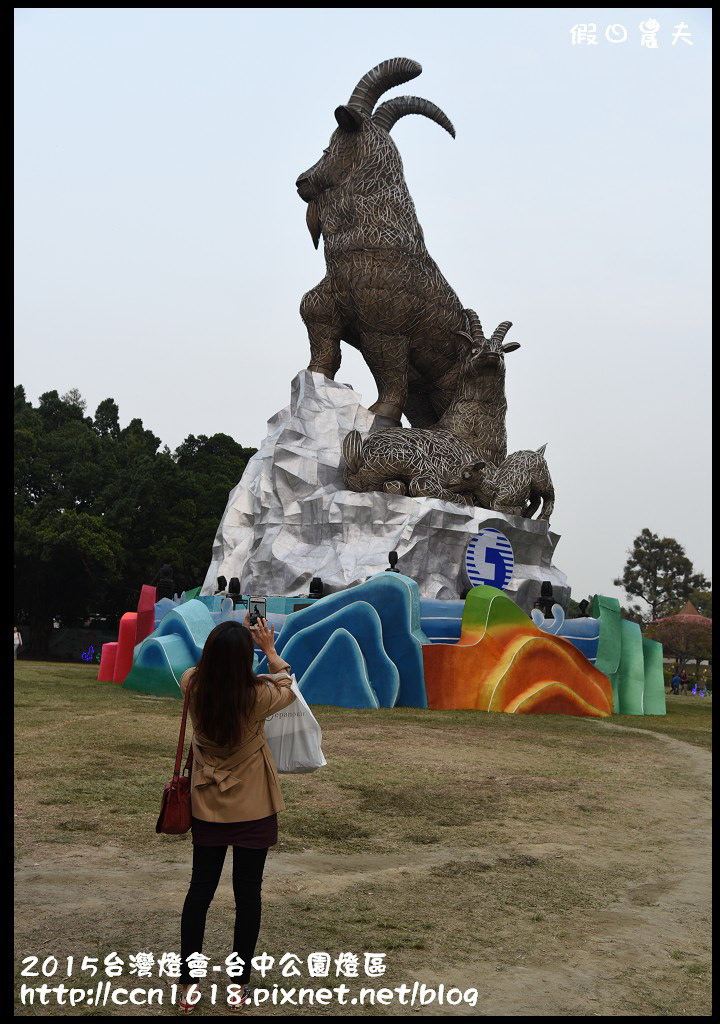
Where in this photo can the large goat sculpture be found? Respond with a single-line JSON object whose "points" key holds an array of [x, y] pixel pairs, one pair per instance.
{"points": [[382, 292]]}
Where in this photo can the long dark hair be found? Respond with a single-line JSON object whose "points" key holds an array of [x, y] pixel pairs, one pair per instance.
{"points": [[224, 684]]}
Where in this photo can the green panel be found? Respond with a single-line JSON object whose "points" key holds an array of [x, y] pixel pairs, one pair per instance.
{"points": [[486, 607], [631, 681], [654, 699], [607, 610], [190, 594]]}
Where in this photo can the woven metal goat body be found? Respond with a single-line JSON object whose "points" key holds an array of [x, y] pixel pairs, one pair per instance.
{"points": [[382, 292]]}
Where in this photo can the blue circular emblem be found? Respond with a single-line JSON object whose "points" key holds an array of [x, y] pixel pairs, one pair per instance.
{"points": [[489, 559]]}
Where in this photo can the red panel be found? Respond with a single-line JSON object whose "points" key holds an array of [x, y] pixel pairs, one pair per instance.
{"points": [[107, 663], [145, 612], [126, 646]]}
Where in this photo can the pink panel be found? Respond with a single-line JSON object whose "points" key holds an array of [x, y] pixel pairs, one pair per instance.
{"points": [[107, 663], [145, 612], [126, 645]]}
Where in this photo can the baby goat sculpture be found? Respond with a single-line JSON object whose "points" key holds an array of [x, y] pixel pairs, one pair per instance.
{"points": [[515, 487], [382, 292]]}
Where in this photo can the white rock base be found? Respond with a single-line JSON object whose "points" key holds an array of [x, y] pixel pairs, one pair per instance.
{"points": [[290, 518]]}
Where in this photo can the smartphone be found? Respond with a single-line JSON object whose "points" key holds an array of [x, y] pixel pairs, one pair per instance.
{"points": [[258, 609]]}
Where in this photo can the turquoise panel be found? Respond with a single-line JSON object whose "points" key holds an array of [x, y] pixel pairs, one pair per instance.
{"points": [[607, 610], [212, 603], [362, 622], [654, 695], [192, 621], [396, 601], [176, 645], [631, 673], [338, 675], [158, 664]]}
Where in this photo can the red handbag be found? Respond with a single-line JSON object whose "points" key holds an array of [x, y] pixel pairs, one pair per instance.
{"points": [[175, 816]]}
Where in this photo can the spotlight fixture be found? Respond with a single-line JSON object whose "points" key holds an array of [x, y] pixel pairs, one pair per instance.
{"points": [[392, 559], [546, 600], [316, 587], [584, 606], [234, 592], [221, 585]]}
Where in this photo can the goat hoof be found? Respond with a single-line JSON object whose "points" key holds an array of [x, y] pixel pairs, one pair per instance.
{"points": [[394, 487], [387, 410]]}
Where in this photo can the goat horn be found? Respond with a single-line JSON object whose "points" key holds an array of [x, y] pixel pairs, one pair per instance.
{"points": [[392, 110], [381, 78], [475, 325], [498, 335]]}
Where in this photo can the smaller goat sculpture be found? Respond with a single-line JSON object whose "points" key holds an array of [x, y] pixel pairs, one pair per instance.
{"points": [[515, 487], [417, 460]]}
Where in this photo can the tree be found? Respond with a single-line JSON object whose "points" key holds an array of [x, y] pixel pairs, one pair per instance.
{"points": [[684, 639], [107, 419], [660, 574], [73, 397], [98, 509], [702, 600]]}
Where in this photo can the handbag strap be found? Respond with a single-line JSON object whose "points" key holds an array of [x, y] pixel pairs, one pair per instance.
{"points": [[181, 738]]}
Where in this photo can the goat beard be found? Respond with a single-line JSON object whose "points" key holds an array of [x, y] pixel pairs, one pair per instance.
{"points": [[312, 218]]}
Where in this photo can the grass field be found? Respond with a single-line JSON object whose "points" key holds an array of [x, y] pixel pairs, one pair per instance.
{"points": [[559, 865]]}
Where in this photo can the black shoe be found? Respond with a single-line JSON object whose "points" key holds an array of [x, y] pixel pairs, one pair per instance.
{"points": [[239, 1000]]}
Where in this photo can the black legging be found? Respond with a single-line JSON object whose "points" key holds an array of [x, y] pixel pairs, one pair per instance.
{"points": [[207, 867]]}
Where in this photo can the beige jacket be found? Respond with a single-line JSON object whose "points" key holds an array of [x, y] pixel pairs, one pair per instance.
{"points": [[240, 783]]}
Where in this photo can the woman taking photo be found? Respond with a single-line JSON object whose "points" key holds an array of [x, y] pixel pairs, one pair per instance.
{"points": [[235, 790]]}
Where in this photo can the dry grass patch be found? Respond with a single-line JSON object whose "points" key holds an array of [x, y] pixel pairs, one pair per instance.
{"points": [[532, 857]]}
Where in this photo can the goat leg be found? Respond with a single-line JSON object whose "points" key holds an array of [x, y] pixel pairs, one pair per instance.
{"points": [[532, 506], [387, 357], [321, 318], [430, 487], [394, 487]]}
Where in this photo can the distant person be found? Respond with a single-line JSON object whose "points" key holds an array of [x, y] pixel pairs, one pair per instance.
{"points": [[675, 684], [683, 681], [18, 642], [235, 791], [164, 582]]}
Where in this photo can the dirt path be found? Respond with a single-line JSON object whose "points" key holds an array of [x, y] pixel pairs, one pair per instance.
{"points": [[666, 914]]}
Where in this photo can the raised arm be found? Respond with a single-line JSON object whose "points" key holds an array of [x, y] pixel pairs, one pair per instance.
{"points": [[264, 637]]}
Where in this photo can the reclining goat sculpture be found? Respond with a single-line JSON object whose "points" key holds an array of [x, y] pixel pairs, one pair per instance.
{"points": [[382, 293], [418, 460]]}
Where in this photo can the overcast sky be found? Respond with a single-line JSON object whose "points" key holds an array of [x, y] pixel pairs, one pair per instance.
{"points": [[162, 252]]}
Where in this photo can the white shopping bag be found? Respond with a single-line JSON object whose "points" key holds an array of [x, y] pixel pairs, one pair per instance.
{"points": [[294, 737]]}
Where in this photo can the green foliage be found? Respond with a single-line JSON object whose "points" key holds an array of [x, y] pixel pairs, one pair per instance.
{"points": [[683, 638], [98, 509], [659, 572], [702, 600], [573, 608]]}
